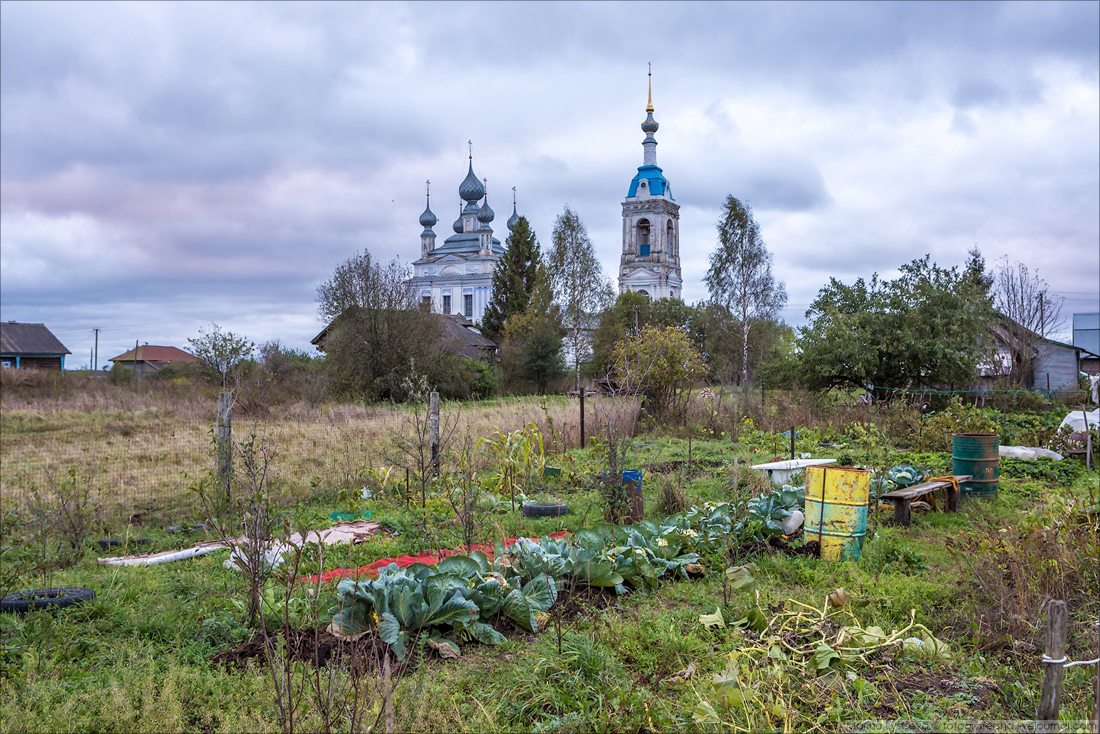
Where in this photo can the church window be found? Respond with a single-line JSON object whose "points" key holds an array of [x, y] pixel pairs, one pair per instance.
{"points": [[643, 237], [446, 304], [668, 239], [468, 305], [425, 303]]}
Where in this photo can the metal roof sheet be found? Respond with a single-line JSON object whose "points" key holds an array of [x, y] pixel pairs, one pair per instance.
{"points": [[150, 353], [17, 338]]}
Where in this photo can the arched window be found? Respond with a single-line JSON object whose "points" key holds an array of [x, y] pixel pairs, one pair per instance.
{"points": [[643, 237], [668, 239]]}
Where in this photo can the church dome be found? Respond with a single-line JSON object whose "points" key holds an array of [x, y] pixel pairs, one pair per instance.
{"points": [[427, 219], [471, 189], [457, 226], [485, 214], [650, 125], [512, 220]]}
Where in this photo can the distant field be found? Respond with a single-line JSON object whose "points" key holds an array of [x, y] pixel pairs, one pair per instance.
{"points": [[144, 459]]}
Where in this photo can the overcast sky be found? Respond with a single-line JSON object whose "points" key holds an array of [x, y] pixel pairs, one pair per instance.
{"points": [[165, 166]]}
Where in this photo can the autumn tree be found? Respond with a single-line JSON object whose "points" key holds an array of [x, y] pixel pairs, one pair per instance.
{"points": [[513, 279], [578, 282], [740, 277], [661, 363]]}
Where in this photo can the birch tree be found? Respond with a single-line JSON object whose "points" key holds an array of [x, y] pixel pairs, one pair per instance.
{"points": [[740, 277], [577, 279]]}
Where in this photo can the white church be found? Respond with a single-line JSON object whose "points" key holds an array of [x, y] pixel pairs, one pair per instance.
{"points": [[456, 277]]}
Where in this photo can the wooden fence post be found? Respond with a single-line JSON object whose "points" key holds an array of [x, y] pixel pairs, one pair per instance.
{"points": [[1053, 671], [224, 431], [582, 418], [433, 407]]}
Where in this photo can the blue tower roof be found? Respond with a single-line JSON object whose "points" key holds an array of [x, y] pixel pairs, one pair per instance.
{"points": [[655, 181]]}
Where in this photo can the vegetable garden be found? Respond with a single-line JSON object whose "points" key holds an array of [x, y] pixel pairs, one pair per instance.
{"points": [[712, 614]]}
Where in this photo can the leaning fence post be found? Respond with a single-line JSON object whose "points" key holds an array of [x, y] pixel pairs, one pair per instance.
{"points": [[433, 407], [1053, 667], [224, 433]]}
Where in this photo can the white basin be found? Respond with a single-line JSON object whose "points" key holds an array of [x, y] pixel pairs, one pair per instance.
{"points": [[780, 471]]}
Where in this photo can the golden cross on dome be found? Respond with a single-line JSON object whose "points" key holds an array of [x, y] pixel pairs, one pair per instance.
{"points": [[649, 107], [471, 144]]}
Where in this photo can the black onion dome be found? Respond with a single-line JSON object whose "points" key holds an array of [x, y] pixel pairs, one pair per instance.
{"points": [[471, 189], [512, 220], [457, 226]]}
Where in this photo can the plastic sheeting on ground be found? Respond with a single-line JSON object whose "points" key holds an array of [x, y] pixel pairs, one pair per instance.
{"points": [[1028, 452], [429, 558], [342, 533]]}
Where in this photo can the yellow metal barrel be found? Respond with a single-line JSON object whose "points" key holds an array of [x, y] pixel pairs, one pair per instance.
{"points": [[836, 510]]}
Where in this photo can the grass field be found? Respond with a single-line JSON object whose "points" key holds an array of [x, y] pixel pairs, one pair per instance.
{"points": [[138, 658]]}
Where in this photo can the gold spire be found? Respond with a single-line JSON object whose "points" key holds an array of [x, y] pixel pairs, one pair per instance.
{"points": [[649, 107]]}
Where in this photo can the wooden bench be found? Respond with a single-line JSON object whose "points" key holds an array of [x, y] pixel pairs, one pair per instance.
{"points": [[903, 498]]}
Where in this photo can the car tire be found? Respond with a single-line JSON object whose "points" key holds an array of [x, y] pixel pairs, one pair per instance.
{"points": [[554, 510], [22, 602], [111, 542]]}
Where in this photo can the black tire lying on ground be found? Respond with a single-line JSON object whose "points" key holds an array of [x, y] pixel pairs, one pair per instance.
{"points": [[187, 529], [22, 602], [554, 510], [109, 542]]}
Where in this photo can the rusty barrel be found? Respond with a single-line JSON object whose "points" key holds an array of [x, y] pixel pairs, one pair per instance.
{"points": [[977, 454], [836, 510]]}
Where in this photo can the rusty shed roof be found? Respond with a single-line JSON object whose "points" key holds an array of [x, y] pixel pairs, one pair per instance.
{"points": [[150, 353]]}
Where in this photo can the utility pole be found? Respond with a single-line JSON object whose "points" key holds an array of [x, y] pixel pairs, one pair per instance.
{"points": [[95, 361]]}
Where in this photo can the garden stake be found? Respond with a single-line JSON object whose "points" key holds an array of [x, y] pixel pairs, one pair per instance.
{"points": [[1054, 659]]}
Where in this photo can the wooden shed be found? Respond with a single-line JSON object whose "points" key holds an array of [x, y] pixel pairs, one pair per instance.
{"points": [[30, 346]]}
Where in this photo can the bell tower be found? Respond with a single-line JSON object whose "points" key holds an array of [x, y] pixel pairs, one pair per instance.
{"points": [[650, 261]]}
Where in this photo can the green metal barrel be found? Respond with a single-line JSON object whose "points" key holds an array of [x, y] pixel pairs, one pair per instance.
{"points": [[977, 454], [836, 510]]}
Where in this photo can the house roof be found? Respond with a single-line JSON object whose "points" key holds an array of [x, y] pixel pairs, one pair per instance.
{"points": [[150, 353], [460, 337], [17, 338]]}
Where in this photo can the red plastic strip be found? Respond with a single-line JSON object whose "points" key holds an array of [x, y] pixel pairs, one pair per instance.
{"points": [[429, 558]]}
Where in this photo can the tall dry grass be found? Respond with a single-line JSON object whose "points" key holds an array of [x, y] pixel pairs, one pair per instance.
{"points": [[147, 443]]}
